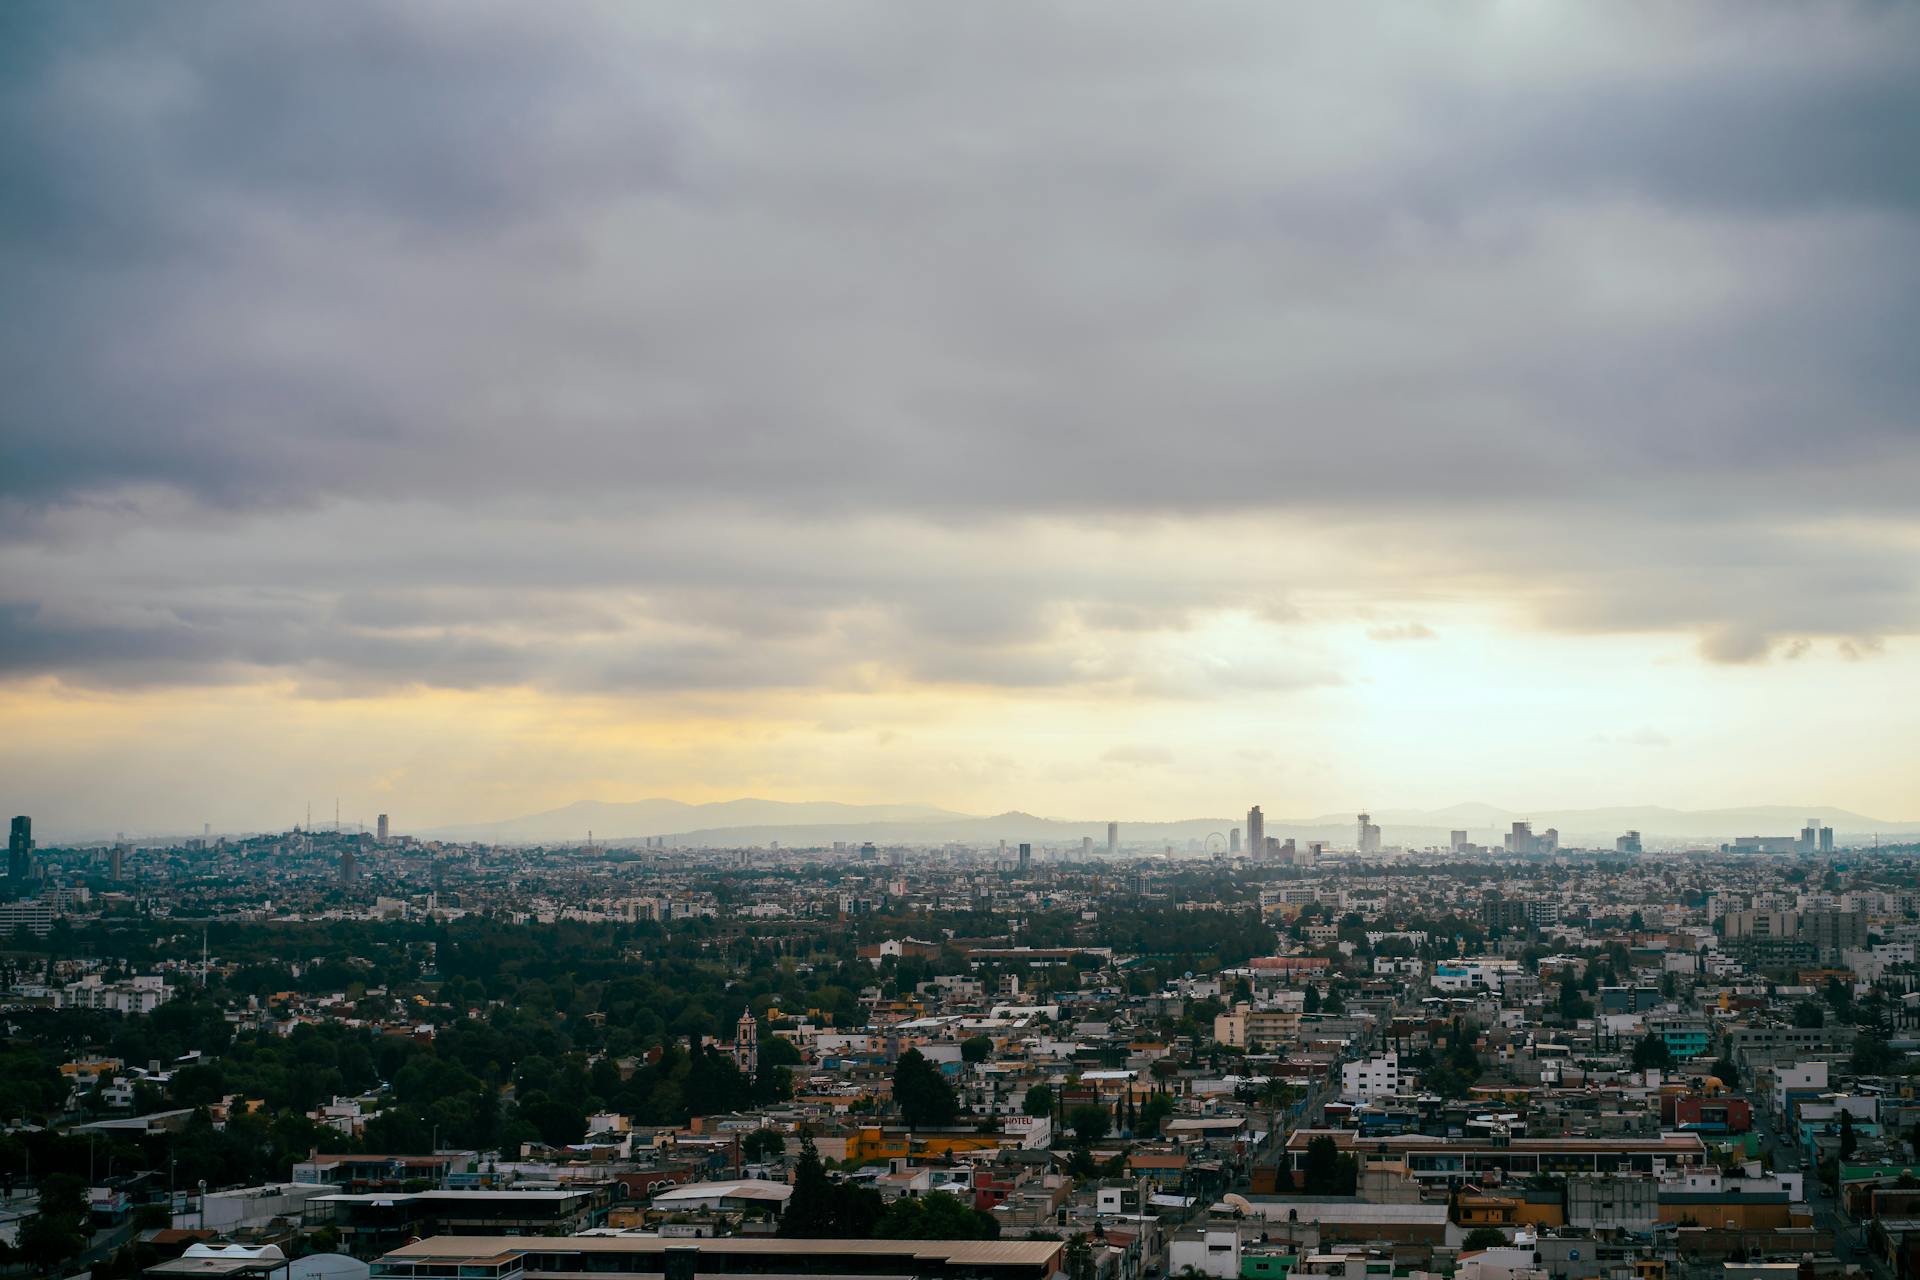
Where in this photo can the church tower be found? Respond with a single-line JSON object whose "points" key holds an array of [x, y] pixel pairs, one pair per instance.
{"points": [[746, 1043]]}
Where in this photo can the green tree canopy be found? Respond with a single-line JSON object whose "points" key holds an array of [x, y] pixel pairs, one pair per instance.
{"points": [[1090, 1122], [1651, 1051], [922, 1093], [938, 1215]]}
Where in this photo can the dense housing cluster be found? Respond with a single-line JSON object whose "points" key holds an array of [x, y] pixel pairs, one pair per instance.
{"points": [[333, 1053]]}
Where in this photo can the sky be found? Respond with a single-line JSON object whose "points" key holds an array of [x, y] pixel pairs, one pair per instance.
{"points": [[1095, 409]]}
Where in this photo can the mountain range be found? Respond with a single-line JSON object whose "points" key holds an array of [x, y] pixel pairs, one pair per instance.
{"points": [[747, 823]]}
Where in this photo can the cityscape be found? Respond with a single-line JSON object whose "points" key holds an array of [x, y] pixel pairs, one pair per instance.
{"points": [[960, 641], [1271, 1056]]}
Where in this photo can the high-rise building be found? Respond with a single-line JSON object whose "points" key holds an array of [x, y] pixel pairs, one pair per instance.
{"points": [[1522, 840], [349, 865], [1367, 838], [1499, 912], [1026, 858], [1834, 931], [1113, 838], [1256, 830], [1086, 848], [1233, 840], [1628, 843], [20, 849], [1456, 840], [381, 827], [117, 862], [1815, 838]]}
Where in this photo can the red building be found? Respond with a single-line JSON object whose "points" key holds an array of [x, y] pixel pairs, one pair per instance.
{"points": [[1708, 1115]]}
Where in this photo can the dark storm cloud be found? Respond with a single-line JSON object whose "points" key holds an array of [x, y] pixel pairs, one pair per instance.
{"points": [[1630, 287]]}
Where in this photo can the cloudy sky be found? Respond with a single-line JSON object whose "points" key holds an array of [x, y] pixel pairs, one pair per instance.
{"points": [[1097, 409]]}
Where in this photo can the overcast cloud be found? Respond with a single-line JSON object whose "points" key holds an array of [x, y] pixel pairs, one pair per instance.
{"points": [[678, 347]]}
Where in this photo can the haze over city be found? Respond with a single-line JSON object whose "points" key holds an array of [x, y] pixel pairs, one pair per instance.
{"points": [[862, 640]]}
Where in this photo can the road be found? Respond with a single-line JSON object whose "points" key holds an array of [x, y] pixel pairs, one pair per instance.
{"points": [[1849, 1237]]}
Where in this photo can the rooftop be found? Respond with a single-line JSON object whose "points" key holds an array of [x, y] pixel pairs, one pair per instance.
{"points": [[960, 1253]]}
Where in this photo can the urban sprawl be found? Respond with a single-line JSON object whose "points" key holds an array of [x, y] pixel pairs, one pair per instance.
{"points": [[352, 1054]]}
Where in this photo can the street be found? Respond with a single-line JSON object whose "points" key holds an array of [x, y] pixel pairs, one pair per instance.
{"points": [[1849, 1238]]}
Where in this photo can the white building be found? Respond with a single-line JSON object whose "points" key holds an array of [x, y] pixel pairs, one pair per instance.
{"points": [[142, 994], [1371, 1078]]}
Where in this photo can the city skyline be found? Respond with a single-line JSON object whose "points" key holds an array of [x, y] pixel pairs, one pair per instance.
{"points": [[1138, 414]]}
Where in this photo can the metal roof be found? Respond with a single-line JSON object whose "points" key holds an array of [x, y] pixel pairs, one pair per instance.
{"points": [[962, 1253]]}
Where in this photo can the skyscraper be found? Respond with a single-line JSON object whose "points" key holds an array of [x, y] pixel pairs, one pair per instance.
{"points": [[1367, 839], [381, 827], [1256, 830], [1233, 840], [1113, 837], [20, 849], [1026, 858]]}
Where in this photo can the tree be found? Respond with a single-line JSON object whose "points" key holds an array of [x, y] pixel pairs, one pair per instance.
{"points": [[1726, 1072], [1840, 995], [1322, 1166], [1809, 1016], [778, 1051], [1573, 1005], [59, 1230], [938, 1215], [1848, 1141], [1333, 1003], [1311, 1004], [1078, 1257], [763, 1144], [821, 1208], [1090, 1122], [1039, 1101], [1872, 1056], [1652, 1051], [922, 1092], [1153, 1113], [809, 1212], [1484, 1238], [975, 1049]]}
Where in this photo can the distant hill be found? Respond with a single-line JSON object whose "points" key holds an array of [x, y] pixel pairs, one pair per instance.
{"points": [[635, 819], [748, 823]]}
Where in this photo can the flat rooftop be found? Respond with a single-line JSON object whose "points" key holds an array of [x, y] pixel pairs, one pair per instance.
{"points": [[961, 1253], [1665, 1142]]}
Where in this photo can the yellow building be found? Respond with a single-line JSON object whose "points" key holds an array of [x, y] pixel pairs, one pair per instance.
{"points": [[877, 1144]]}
